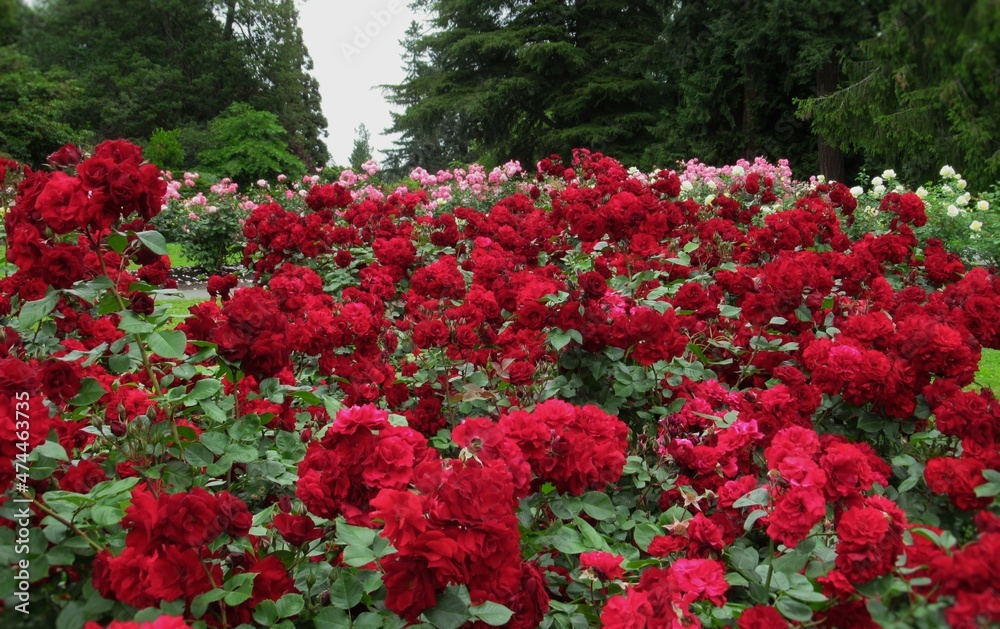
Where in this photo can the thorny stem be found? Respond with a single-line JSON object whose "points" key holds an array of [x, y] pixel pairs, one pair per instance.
{"points": [[64, 521], [121, 304]]}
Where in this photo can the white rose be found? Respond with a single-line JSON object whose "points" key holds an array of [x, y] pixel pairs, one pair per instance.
{"points": [[964, 199], [975, 226], [879, 190], [983, 205], [738, 171], [857, 191], [709, 199], [946, 189], [922, 192], [947, 172], [877, 181], [953, 211], [687, 186], [962, 184], [889, 174], [821, 179]]}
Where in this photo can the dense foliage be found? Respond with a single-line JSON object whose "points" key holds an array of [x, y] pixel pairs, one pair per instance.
{"points": [[172, 65], [577, 397], [924, 92]]}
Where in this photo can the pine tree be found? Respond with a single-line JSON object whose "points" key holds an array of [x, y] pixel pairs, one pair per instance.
{"points": [[494, 80], [924, 94], [362, 148]]}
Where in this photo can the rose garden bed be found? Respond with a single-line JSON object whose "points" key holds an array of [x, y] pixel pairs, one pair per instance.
{"points": [[578, 397]]}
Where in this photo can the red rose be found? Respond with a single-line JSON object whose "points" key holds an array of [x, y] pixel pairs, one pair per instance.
{"points": [[761, 617], [234, 517], [62, 265], [795, 513], [298, 530], [410, 586], [606, 566], [141, 303], [82, 477], [120, 152], [94, 172], [62, 203], [67, 155], [191, 518], [60, 380]]}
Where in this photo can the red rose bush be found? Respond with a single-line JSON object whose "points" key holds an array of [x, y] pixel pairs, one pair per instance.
{"points": [[582, 396]]}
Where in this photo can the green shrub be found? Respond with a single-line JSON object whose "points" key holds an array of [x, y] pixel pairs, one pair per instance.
{"points": [[247, 145]]}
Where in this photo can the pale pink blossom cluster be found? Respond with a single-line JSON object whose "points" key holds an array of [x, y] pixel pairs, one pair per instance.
{"points": [[695, 171], [225, 186]]}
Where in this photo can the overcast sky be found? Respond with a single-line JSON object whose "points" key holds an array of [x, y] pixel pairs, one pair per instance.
{"points": [[355, 47]]}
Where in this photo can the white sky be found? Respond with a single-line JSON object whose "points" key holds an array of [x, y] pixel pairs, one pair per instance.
{"points": [[355, 46]]}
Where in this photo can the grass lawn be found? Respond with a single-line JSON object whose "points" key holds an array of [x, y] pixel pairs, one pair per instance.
{"points": [[989, 370], [177, 257]]}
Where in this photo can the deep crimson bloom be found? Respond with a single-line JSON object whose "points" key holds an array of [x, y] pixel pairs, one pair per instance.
{"points": [[761, 617], [191, 518], [80, 478], [298, 530]]}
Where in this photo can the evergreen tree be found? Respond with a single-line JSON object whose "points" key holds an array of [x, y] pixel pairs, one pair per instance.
{"points": [[924, 94], [738, 66], [144, 65], [362, 148], [270, 38], [495, 79]]}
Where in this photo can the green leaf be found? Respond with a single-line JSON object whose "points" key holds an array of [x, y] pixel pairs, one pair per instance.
{"points": [[52, 450], [34, 311], [242, 453], [266, 612], [106, 515], [753, 517], [598, 505], [349, 535], [198, 455], [794, 610], [493, 614], [809, 596], [204, 389], [201, 602], [565, 540], [131, 324], [154, 241], [117, 241], [290, 605], [216, 442], [451, 612], [346, 590], [756, 498], [168, 343]]}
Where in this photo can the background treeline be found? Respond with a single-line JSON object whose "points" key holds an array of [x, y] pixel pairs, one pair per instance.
{"points": [[832, 85], [222, 85]]}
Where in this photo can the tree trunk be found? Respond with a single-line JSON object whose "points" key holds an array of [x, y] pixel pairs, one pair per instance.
{"points": [[831, 158], [230, 18]]}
